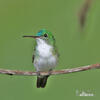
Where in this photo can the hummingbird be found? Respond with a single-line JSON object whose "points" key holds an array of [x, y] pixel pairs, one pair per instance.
{"points": [[45, 56]]}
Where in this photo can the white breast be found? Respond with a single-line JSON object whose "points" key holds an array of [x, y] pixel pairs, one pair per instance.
{"points": [[46, 60], [43, 48]]}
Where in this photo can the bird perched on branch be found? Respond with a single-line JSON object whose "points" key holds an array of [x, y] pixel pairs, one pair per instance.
{"points": [[45, 55]]}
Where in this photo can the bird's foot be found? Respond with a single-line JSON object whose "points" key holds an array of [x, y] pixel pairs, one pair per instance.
{"points": [[38, 73], [50, 71]]}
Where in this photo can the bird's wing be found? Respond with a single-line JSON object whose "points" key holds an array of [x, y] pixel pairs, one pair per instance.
{"points": [[33, 56], [55, 51]]}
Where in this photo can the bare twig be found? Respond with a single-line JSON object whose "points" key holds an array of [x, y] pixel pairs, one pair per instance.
{"points": [[83, 12], [64, 71]]}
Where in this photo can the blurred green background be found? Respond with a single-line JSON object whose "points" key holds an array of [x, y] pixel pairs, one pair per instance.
{"points": [[76, 48]]}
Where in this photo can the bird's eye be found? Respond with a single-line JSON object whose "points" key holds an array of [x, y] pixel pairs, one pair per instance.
{"points": [[45, 35]]}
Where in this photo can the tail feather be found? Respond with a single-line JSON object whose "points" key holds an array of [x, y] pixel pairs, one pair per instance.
{"points": [[41, 81]]}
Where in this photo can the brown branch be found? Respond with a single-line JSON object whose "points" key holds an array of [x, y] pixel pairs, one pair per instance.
{"points": [[64, 71], [83, 12]]}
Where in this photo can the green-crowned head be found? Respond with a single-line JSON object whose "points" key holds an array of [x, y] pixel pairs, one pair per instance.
{"points": [[44, 35]]}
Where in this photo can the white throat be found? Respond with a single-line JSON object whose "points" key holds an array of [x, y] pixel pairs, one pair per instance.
{"points": [[44, 49]]}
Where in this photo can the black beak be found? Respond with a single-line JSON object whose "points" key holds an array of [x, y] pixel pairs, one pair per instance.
{"points": [[32, 36]]}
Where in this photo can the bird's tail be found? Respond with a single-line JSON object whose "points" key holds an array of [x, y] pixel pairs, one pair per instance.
{"points": [[41, 81]]}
